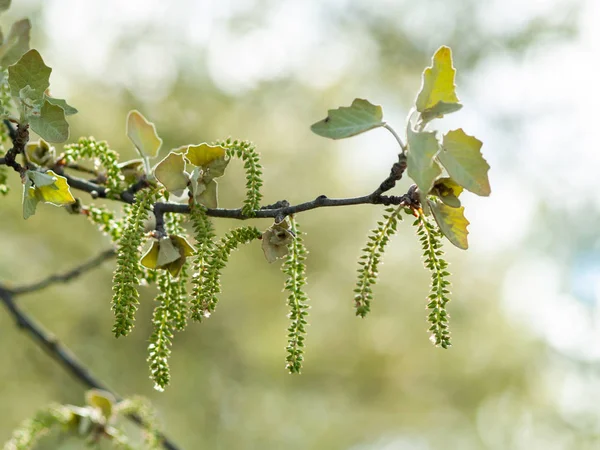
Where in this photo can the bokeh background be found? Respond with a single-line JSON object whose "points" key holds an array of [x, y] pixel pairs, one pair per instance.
{"points": [[523, 372]]}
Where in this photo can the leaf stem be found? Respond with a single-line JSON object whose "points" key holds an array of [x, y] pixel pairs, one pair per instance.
{"points": [[396, 136]]}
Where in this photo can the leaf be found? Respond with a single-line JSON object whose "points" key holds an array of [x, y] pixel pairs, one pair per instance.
{"points": [[40, 152], [16, 43], [448, 191], [30, 200], [143, 134], [68, 109], [452, 222], [101, 400], [349, 121], [57, 194], [167, 252], [150, 259], [438, 91], [4, 5], [30, 71], [204, 154], [461, 156], [275, 240], [185, 247], [171, 173], [208, 196], [422, 167], [50, 124], [41, 179]]}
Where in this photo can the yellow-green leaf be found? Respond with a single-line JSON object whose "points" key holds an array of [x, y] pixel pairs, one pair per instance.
{"points": [[452, 222], [448, 191], [171, 173], [101, 400], [184, 246], [422, 167], [16, 43], [150, 259], [143, 134], [204, 154], [349, 121], [40, 152], [57, 194], [30, 71], [461, 156], [50, 124], [438, 91]]}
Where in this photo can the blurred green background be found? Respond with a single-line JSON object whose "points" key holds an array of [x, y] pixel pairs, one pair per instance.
{"points": [[523, 370]]}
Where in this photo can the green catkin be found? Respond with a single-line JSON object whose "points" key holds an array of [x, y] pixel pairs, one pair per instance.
{"points": [[246, 151], [220, 255], [295, 268], [371, 257], [159, 349], [127, 273], [204, 234], [88, 147], [430, 238]]}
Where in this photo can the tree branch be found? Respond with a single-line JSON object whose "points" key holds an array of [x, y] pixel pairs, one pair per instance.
{"points": [[52, 346], [67, 276]]}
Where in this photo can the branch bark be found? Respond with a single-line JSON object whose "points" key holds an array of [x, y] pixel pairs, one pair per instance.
{"points": [[52, 346]]}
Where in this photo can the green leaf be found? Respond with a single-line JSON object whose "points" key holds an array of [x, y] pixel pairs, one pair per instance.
{"points": [[461, 156], [448, 191], [208, 196], [4, 5], [143, 134], [41, 179], [30, 71], [452, 222], [171, 173], [438, 91], [422, 167], [30, 200], [69, 110], [16, 43], [203, 154], [50, 124], [349, 121]]}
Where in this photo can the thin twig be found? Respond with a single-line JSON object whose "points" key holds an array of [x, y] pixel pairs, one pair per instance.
{"points": [[53, 347], [67, 276]]}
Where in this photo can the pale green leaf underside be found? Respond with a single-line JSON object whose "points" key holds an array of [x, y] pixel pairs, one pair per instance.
{"points": [[50, 124], [461, 156], [452, 223], [349, 121], [30, 71], [68, 109], [171, 173], [16, 43], [422, 168]]}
